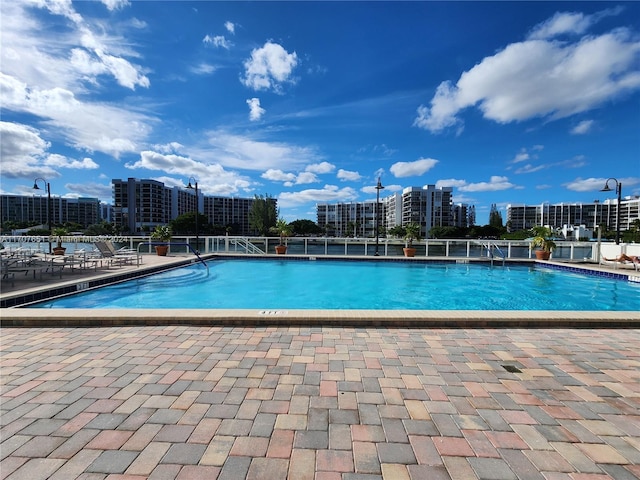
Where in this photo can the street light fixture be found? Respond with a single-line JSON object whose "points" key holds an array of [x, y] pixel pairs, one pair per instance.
{"points": [[195, 186], [618, 208], [378, 188], [48, 187]]}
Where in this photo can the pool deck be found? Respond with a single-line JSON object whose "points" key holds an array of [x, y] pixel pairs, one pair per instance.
{"points": [[310, 402]]}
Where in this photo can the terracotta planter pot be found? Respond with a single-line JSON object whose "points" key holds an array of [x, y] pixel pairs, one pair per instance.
{"points": [[542, 255], [162, 250], [59, 250], [281, 249], [409, 251]]}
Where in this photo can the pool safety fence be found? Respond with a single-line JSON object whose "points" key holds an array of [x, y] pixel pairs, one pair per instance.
{"points": [[334, 246], [327, 246]]}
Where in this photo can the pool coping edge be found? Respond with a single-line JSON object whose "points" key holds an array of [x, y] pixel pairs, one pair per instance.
{"points": [[343, 318]]}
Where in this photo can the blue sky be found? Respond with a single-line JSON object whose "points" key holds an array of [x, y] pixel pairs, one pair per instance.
{"points": [[508, 102]]}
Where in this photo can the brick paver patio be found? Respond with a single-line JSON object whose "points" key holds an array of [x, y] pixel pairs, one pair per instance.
{"points": [[180, 402]]}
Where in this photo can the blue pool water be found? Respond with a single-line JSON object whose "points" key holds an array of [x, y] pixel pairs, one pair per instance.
{"points": [[278, 284]]}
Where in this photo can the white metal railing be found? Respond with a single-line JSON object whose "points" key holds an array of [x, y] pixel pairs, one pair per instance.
{"points": [[333, 246], [491, 248], [246, 245]]}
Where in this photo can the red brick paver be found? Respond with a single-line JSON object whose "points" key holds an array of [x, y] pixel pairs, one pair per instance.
{"points": [[319, 403]]}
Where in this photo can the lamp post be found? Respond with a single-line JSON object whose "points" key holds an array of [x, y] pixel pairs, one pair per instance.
{"points": [[619, 193], [378, 188], [48, 187], [195, 186]]}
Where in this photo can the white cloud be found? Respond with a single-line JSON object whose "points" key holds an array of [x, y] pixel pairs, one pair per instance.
{"points": [[203, 69], [569, 23], [583, 127], [596, 184], [462, 198], [522, 156], [213, 179], [230, 26], [46, 71], [495, 183], [126, 74], [91, 190], [269, 68], [306, 177], [60, 161], [578, 161], [412, 169], [171, 147], [248, 153], [442, 113], [217, 41], [330, 193], [276, 175], [90, 126], [322, 167], [115, 4], [385, 150], [561, 23], [44, 57], [348, 176], [391, 188], [528, 168], [22, 150], [255, 110], [450, 182], [540, 78], [20, 143], [289, 179]]}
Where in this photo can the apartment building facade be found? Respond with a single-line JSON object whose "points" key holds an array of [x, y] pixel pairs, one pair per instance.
{"points": [[34, 209], [463, 215], [355, 219], [560, 215], [141, 204], [232, 212], [429, 206]]}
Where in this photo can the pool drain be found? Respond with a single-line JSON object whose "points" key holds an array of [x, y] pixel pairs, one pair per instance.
{"points": [[511, 368]]}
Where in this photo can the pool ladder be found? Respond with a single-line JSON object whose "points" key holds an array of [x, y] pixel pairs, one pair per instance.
{"points": [[491, 248]]}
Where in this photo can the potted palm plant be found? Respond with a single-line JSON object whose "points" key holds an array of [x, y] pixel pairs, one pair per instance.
{"points": [[59, 232], [162, 233], [542, 242], [283, 229], [411, 233]]}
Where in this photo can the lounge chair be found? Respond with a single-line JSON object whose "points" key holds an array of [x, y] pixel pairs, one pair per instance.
{"points": [[33, 265], [80, 259], [620, 263], [114, 257], [124, 251]]}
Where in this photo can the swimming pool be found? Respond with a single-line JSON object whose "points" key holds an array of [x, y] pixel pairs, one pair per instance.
{"points": [[344, 285]]}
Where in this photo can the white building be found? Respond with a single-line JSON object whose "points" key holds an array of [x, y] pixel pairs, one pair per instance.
{"points": [[429, 206], [590, 215]]}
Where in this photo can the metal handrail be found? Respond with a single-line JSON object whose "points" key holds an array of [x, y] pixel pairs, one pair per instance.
{"points": [[248, 246], [490, 246], [177, 244]]}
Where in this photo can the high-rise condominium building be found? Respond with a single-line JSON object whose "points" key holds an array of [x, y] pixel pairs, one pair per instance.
{"points": [[141, 204], [559, 215], [36, 209], [429, 206]]}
